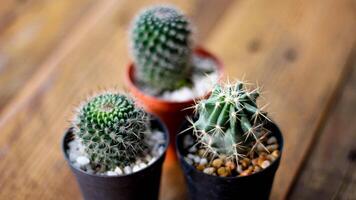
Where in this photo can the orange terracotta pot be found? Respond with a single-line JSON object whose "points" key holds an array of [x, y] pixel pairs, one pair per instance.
{"points": [[172, 113]]}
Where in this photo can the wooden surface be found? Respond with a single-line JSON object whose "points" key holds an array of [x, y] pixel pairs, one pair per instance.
{"points": [[54, 53]]}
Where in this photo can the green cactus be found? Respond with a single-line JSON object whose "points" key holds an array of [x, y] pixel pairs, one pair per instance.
{"points": [[230, 122], [161, 47], [112, 129]]}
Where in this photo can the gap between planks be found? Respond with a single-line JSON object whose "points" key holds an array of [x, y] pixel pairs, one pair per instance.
{"points": [[322, 124]]}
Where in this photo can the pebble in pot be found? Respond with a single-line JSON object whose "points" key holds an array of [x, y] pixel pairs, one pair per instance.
{"points": [[241, 147], [115, 149]]}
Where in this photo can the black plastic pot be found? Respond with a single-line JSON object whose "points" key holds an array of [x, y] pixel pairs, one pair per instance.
{"points": [[143, 184], [208, 187]]}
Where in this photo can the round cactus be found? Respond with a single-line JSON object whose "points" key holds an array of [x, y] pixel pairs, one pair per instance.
{"points": [[112, 129], [161, 47], [230, 122]]}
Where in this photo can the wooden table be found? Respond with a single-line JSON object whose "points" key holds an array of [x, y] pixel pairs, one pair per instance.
{"points": [[54, 53]]}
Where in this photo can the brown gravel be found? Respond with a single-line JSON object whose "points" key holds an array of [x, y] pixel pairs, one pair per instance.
{"points": [[224, 167]]}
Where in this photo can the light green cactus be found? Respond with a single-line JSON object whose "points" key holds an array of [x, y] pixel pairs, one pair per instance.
{"points": [[161, 48], [112, 129], [230, 122]]}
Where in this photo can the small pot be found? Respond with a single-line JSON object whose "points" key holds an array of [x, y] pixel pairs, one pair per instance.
{"points": [[208, 187], [143, 184], [172, 113]]}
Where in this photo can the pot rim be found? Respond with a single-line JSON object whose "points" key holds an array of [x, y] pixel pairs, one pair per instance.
{"points": [[274, 163], [162, 156], [199, 50]]}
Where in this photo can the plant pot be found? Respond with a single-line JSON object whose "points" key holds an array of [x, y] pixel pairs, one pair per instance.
{"points": [[208, 187], [143, 184], [172, 113]]}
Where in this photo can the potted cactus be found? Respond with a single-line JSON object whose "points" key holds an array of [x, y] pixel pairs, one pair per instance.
{"points": [[168, 73], [230, 149], [115, 149]]}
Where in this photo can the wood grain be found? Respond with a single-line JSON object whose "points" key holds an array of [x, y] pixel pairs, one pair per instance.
{"points": [[93, 56], [297, 49], [35, 30], [330, 171]]}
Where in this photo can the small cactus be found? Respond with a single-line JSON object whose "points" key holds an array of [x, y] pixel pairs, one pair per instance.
{"points": [[230, 123], [161, 47], [112, 129]]}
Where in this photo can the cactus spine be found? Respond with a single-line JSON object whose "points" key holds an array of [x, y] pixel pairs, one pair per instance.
{"points": [[230, 123], [161, 47], [112, 129]]}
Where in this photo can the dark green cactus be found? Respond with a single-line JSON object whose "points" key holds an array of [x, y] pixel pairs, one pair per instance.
{"points": [[112, 129], [230, 121], [161, 47]]}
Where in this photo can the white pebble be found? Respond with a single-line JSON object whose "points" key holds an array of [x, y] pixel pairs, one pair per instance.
{"points": [[127, 170], [188, 141], [76, 165], [72, 156], [191, 156], [203, 161], [89, 169], [189, 161], [272, 147], [72, 144], [239, 169], [111, 173], [118, 171], [148, 158], [160, 150], [272, 140], [157, 135], [135, 168], [82, 160], [265, 164], [142, 165], [271, 157], [209, 170], [192, 149], [196, 159]]}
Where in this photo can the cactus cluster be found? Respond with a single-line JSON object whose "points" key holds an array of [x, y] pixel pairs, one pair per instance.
{"points": [[112, 129], [229, 122], [161, 48]]}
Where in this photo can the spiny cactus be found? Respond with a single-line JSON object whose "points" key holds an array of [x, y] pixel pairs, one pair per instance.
{"points": [[112, 129], [161, 47], [230, 123]]}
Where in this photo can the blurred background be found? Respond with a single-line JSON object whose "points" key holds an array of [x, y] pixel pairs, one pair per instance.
{"points": [[54, 53]]}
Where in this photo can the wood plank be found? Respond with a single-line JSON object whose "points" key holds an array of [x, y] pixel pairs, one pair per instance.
{"points": [[9, 10], [36, 28], [93, 56], [297, 50], [278, 43], [330, 172]]}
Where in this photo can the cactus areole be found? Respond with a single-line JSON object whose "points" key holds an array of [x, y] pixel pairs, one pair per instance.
{"points": [[161, 48], [230, 123], [112, 129]]}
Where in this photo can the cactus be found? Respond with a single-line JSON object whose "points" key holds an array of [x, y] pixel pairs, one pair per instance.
{"points": [[112, 129], [161, 48], [230, 123]]}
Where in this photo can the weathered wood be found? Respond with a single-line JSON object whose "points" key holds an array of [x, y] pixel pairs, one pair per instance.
{"points": [[9, 10], [330, 171], [297, 50], [93, 55], [33, 29]]}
